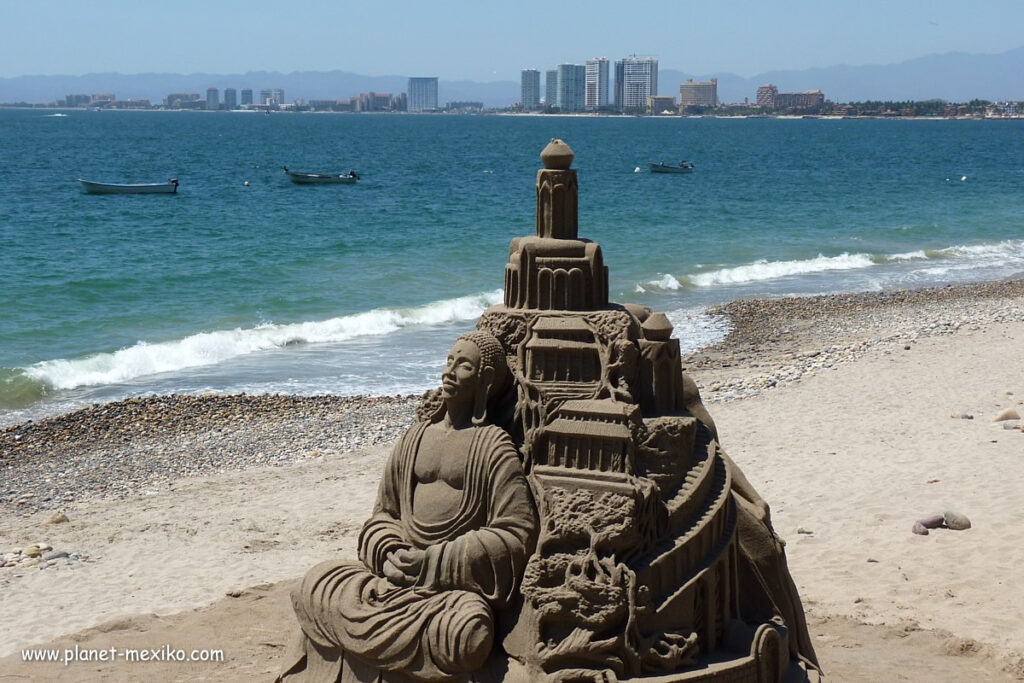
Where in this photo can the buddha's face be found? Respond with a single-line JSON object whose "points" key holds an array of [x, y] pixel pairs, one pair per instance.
{"points": [[461, 377]]}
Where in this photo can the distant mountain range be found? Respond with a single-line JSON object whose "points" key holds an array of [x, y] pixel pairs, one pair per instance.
{"points": [[953, 76]]}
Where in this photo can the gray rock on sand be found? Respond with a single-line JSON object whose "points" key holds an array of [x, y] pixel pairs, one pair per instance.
{"points": [[956, 521], [922, 526]]}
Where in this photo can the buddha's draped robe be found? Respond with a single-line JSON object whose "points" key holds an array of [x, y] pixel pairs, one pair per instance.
{"points": [[442, 627]]}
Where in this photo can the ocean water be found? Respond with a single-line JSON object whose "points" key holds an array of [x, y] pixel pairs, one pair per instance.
{"points": [[274, 287]]}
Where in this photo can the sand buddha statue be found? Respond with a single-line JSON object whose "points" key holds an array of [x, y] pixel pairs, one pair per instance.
{"points": [[443, 552]]}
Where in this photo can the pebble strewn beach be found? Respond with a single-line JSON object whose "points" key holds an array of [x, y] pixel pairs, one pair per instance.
{"points": [[140, 445], [778, 341], [133, 446]]}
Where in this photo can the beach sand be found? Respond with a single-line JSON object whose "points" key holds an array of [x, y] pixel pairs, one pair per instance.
{"points": [[852, 416]]}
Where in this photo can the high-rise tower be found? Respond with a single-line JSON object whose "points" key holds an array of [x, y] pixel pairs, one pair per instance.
{"points": [[596, 95], [422, 94], [530, 89], [636, 79]]}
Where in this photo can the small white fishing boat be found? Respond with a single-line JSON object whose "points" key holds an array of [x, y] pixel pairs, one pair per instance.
{"points": [[92, 187], [322, 178], [682, 167]]}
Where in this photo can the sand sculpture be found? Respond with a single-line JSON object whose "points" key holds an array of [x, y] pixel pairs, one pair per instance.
{"points": [[562, 509]]}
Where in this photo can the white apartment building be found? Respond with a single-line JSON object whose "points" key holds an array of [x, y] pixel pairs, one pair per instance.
{"points": [[596, 94], [636, 79]]}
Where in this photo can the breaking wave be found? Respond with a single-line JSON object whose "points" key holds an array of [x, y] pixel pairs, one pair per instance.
{"points": [[931, 261], [210, 348]]}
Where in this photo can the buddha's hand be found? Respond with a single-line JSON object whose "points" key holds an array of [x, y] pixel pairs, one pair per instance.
{"points": [[402, 567]]}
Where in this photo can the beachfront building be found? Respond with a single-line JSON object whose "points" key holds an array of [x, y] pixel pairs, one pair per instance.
{"points": [[766, 96], [551, 88], [212, 99], [636, 79], [529, 86], [698, 93], [266, 97], [230, 99], [571, 79], [422, 94], [278, 96], [596, 93], [181, 100], [77, 100], [374, 101], [661, 104], [799, 100], [246, 97]]}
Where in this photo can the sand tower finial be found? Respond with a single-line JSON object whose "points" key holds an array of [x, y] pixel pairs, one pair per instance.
{"points": [[557, 156], [557, 193]]}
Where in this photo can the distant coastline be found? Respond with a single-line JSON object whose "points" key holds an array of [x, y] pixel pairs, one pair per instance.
{"points": [[576, 115]]}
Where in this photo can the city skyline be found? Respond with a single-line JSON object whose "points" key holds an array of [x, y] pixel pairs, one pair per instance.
{"points": [[742, 38]]}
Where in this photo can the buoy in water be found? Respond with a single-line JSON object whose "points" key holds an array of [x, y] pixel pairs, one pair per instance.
{"points": [[963, 177], [636, 170], [246, 183]]}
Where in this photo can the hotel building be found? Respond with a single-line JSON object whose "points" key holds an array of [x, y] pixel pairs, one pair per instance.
{"points": [[422, 94], [698, 93]]}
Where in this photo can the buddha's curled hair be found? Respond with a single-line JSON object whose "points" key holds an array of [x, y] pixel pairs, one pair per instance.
{"points": [[491, 353]]}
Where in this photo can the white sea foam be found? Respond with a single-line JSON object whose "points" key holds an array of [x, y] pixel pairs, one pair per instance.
{"points": [[210, 348], [918, 255], [667, 282], [695, 329], [771, 270]]}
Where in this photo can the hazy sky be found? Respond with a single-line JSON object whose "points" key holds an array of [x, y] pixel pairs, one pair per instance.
{"points": [[482, 40]]}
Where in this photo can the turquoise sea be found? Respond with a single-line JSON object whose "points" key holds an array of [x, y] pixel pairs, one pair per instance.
{"points": [[275, 287]]}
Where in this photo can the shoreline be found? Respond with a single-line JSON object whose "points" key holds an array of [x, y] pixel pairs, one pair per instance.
{"points": [[771, 343], [852, 415]]}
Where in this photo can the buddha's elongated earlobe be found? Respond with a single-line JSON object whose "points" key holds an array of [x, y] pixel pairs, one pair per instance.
{"points": [[483, 391]]}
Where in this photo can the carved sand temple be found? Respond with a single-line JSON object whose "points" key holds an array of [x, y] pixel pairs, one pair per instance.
{"points": [[650, 557]]}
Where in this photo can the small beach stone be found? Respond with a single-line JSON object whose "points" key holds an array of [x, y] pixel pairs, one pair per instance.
{"points": [[1008, 414], [55, 555], [956, 521], [59, 518]]}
